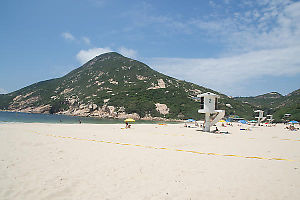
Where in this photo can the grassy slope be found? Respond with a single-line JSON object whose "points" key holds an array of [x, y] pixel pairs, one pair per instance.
{"points": [[92, 83], [277, 106]]}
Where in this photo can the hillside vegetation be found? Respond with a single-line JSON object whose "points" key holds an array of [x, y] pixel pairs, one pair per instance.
{"points": [[111, 85], [277, 104]]}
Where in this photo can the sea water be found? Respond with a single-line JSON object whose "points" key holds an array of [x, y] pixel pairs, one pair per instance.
{"points": [[47, 118]]}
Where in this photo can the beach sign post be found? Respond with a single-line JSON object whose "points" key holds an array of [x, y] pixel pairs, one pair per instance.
{"points": [[209, 106]]}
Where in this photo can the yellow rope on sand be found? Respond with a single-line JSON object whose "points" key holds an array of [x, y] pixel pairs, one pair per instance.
{"points": [[165, 148]]}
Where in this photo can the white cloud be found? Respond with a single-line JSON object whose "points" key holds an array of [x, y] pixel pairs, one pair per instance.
{"points": [[248, 25], [127, 52], [85, 55], [68, 36], [86, 40], [221, 73], [260, 25], [3, 91], [244, 27]]}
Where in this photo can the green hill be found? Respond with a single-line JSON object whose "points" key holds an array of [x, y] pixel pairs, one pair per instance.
{"points": [[111, 85], [276, 104], [291, 105], [269, 100]]}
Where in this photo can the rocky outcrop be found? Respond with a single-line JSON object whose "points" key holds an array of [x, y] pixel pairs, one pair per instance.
{"points": [[105, 111], [24, 102], [125, 116], [40, 109], [141, 78], [162, 108], [112, 81], [160, 84]]}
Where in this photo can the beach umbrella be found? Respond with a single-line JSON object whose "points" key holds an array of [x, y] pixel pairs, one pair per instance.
{"points": [[228, 120], [243, 121], [293, 122], [129, 120], [190, 120], [222, 121]]}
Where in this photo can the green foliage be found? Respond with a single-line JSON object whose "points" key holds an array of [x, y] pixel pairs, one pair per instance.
{"points": [[5, 100], [58, 105], [276, 104], [121, 82], [293, 110]]}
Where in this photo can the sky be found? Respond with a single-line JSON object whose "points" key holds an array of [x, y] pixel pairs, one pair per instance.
{"points": [[238, 48]]}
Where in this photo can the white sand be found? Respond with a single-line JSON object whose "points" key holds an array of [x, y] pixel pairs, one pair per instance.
{"points": [[41, 166]]}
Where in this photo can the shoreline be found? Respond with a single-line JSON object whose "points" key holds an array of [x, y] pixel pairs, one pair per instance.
{"points": [[95, 117]]}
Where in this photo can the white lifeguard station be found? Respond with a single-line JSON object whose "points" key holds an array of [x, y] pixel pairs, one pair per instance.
{"points": [[259, 116], [209, 105], [270, 119], [286, 116]]}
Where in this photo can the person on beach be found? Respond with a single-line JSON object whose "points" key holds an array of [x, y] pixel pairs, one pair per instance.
{"points": [[216, 131], [127, 125], [293, 128]]}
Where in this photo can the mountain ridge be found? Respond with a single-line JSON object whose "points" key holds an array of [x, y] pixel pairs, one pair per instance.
{"points": [[276, 104], [113, 86]]}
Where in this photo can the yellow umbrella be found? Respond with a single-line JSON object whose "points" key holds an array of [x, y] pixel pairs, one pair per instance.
{"points": [[129, 120], [222, 121]]}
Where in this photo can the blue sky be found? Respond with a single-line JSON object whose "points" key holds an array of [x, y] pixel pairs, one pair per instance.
{"points": [[240, 48]]}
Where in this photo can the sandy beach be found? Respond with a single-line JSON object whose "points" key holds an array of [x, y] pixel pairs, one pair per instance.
{"points": [[147, 161]]}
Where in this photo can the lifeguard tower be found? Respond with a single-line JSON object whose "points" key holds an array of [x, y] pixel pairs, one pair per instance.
{"points": [[209, 106], [286, 117], [270, 119], [259, 116]]}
